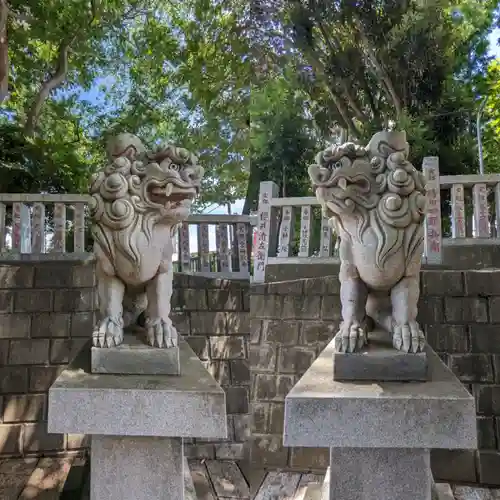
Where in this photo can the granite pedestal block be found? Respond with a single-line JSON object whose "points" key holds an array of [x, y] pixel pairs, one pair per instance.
{"points": [[379, 433], [141, 468], [134, 357], [137, 423], [380, 361]]}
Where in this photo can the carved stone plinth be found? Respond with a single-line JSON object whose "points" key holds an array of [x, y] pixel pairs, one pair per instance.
{"points": [[133, 357], [137, 424], [379, 433], [379, 361]]}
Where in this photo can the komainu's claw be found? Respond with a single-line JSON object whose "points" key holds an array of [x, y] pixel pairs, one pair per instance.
{"points": [[408, 337], [351, 337], [160, 333], [108, 333]]}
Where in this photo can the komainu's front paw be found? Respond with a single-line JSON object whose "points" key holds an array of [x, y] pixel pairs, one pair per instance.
{"points": [[408, 337], [160, 333], [108, 333], [351, 337]]}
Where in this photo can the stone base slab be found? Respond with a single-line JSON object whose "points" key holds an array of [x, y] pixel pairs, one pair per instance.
{"points": [[383, 473], [379, 361], [133, 357], [141, 468], [190, 405], [322, 412]]}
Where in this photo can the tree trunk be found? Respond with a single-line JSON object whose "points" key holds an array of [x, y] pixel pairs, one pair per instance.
{"points": [[54, 81], [4, 51]]}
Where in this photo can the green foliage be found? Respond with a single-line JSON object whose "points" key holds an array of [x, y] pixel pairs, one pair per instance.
{"points": [[492, 115], [172, 71]]}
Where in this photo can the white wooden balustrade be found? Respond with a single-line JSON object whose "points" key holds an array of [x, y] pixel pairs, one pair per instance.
{"points": [[468, 198], [36, 226]]}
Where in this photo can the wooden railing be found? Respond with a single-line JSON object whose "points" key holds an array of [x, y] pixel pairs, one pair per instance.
{"points": [[459, 209], [55, 227]]}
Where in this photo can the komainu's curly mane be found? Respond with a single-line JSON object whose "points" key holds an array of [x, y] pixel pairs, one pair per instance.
{"points": [[379, 188]]}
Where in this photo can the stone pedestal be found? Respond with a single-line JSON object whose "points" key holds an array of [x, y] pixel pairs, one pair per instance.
{"points": [[379, 433], [134, 357], [137, 423], [380, 361]]}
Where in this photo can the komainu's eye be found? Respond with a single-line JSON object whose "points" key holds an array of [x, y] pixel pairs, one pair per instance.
{"points": [[174, 166]]}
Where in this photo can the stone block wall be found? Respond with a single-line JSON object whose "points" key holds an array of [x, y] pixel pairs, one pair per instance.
{"points": [[46, 316], [214, 316], [47, 312], [292, 321]]}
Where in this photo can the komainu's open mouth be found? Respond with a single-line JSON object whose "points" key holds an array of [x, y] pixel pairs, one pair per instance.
{"points": [[171, 194]]}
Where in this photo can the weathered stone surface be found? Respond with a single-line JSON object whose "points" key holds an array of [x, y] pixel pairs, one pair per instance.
{"points": [[80, 402], [13, 379], [473, 493], [10, 438], [74, 300], [482, 282], [454, 465], [47, 325], [488, 399], [484, 339], [63, 351], [443, 491], [379, 361], [37, 439], [29, 352], [489, 465], [366, 474], [268, 451], [33, 301], [486, 433], [449, 283], [24, 408], [133, 357], [141, 468], [240, 371], [228, 347], [472, 367], [15, 326], [466, 309], [295, 360], [42, 377], [16, 276], [442, 411], [447, 338], [237, 400]]}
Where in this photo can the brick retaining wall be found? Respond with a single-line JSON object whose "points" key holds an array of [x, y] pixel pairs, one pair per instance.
{"points": [[47, 315], [291, 322]]}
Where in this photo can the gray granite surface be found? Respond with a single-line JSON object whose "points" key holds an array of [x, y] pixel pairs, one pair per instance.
{"points": [[134, 357], [321, 412], [380, 361], [189, 405]]}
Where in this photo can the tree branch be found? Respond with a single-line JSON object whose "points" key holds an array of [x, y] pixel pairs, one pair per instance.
{"points": [[380, 71], [56, 79], [4, 51], [334, 47]]}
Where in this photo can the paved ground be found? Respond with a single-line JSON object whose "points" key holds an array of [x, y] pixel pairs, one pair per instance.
{"points": [[34, 478], [67, 479], [293, 485]]}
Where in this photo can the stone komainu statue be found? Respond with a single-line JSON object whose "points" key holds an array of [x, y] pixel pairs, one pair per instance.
{"points": [[138, 200], [375, 200]]}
